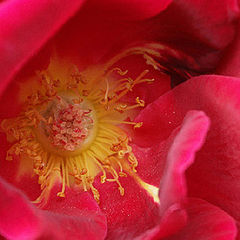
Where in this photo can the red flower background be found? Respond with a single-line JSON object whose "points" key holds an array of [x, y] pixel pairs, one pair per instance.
{"points": [[189, 143]]}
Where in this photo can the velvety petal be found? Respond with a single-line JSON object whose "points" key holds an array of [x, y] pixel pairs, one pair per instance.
{"points": [[180, 156], [10, 171], [135, 65], [19, 219], [209, 25], [214, 176], [182, 25], [159, 117], [230, 64], [135, 212], [25, 27], [211, 19], [128, 215], [131, 10], [205, 222], [152, 160]]}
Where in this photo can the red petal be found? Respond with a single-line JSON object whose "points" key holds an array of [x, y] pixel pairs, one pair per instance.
{"points": [[214, 176], [205, 221], [180, 156], [19, 219], [182, 25], [131, 10], [25, 26], [125, 214], [172, 169], [153, 160], [173, 220], [230, 64], [128, 215], [207, 17], [200, 28], [135, 65]]}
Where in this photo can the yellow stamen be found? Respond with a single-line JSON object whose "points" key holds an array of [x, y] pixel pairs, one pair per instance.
{"points": [[68, 130], [123, 107], [135, 125]]}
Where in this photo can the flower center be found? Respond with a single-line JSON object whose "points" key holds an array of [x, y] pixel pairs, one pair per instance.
{"points": [[70, 126], [67, 125]]}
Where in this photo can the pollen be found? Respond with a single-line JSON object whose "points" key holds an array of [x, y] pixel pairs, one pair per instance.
{"points": [[68, 125], [70, 128]]}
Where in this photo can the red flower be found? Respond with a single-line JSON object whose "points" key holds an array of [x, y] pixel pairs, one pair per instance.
{"points": [[184, 147]]}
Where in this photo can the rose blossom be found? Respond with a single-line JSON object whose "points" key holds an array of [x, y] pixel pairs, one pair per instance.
{"points": [[184, 145]]}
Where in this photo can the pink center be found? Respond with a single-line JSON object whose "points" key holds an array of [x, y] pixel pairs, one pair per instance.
{"points": [[70, 127]]}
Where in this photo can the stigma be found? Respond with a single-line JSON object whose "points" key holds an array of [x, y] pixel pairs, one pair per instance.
{"points": [[67, 123], [71, 126]]}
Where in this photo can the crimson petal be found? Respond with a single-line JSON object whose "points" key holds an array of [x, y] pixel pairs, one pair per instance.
{"points": [[230, 64], [182, 26], [19, 219], [135, 212], [181, 155], [128, 215], [172, 191], [152, 160], [205, 221], [214, 176], [25, 26], [209, 25], [132, 10]]}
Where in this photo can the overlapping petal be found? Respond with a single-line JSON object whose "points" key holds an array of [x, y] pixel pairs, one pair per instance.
{"points": [[206, 221], [80, 218], [210, 25], [128, 215], [183, 25], [135, 212], [180, 156], [25, 27], [214, 176], [172, 191]]}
